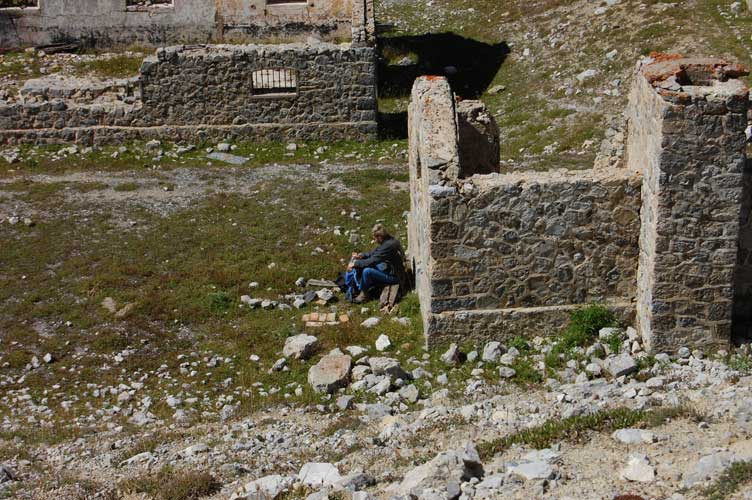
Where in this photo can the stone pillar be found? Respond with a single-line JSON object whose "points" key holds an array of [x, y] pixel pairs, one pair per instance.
{"points": [[686, 135]]}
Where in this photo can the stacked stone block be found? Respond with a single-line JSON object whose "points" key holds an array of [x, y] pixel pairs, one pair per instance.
{"points": [[687, 120]]}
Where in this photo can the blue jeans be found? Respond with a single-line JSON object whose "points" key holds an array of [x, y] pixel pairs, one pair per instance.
{"points": [[372, 277]]}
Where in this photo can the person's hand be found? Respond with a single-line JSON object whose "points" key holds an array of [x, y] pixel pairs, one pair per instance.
{"points": [[350, 266], [356, 255]]}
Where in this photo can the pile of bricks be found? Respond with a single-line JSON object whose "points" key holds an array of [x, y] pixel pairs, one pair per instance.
{"points": [[316, 320]]}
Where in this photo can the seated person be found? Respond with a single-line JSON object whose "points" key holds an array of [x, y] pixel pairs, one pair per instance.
{"points": [[382, 266]]}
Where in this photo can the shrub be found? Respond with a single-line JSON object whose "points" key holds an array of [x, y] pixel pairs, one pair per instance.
{"points": [[219, 302], [585, 323], [582, 330], [520, 344]]}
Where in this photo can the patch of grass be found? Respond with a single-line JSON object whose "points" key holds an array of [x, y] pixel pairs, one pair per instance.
{"points": [[585, 323], [740, 362], [645, 362], [614, 342], [582, 330], [219, 302], [731, 481], [173, 484], [127, 186], [521, 344], [19, 65], [45, 158], [118, 66], [575, 429], [148, 443], [525, 373]]}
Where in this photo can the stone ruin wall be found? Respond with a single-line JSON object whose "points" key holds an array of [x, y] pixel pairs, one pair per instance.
{"points": [[501, 255], [687, 136], [111, 22], [496, 254], [195, 93]]}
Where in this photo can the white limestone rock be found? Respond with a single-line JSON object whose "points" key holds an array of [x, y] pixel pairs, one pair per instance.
{"points": [[300, 346]]}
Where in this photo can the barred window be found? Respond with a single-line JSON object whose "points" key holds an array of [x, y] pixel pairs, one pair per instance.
{"points": [[275, 81]]}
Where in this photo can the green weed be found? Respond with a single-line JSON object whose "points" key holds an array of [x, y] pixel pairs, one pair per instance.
{"points": [[732, 479], [575, 429]]}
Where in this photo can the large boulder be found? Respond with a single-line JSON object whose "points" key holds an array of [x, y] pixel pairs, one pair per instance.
{"points": [[331, 373], [300, 346], [263, 488], [317, 475], [619, 365], [387, 366], [443, 475]]}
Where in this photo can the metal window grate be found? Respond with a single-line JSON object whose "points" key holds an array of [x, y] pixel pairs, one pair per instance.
{"points": [[275, 81]]}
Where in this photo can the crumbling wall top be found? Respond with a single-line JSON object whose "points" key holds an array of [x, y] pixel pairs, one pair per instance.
{"points": [[681, 80]]}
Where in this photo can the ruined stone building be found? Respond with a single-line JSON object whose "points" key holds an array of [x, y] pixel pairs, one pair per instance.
{"points": [[322, 87], [165, 22], [662, 238]]}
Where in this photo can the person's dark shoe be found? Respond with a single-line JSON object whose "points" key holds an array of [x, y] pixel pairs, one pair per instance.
{"points": [[360, 298]]}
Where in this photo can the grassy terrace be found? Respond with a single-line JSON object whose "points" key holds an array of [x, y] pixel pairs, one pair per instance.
{"points": [[551, 41]]}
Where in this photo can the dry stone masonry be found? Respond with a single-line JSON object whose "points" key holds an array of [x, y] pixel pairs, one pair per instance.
{"points": [[500, 255], [197, 92], [687, 122]]}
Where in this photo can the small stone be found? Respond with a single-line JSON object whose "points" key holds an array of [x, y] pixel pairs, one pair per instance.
{"points": [[48, 358], [634, 436], [593, 369], [684, 352], [655, 382], [506, 372], [586, 75], [662, 358], [409, 393], [263, 488], [279, 365], [195, 450], [383, 343], [638, 469], [387, 366], [7, 474], [530, 471], [371, 322], [223, 147], [492, 352], [472, 356], [109, 304], [345, 402], [138, 459], [452, 356]]}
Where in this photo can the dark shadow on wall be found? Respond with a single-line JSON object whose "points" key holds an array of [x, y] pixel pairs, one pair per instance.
{"points": [[742, 321], [469, 65]]}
